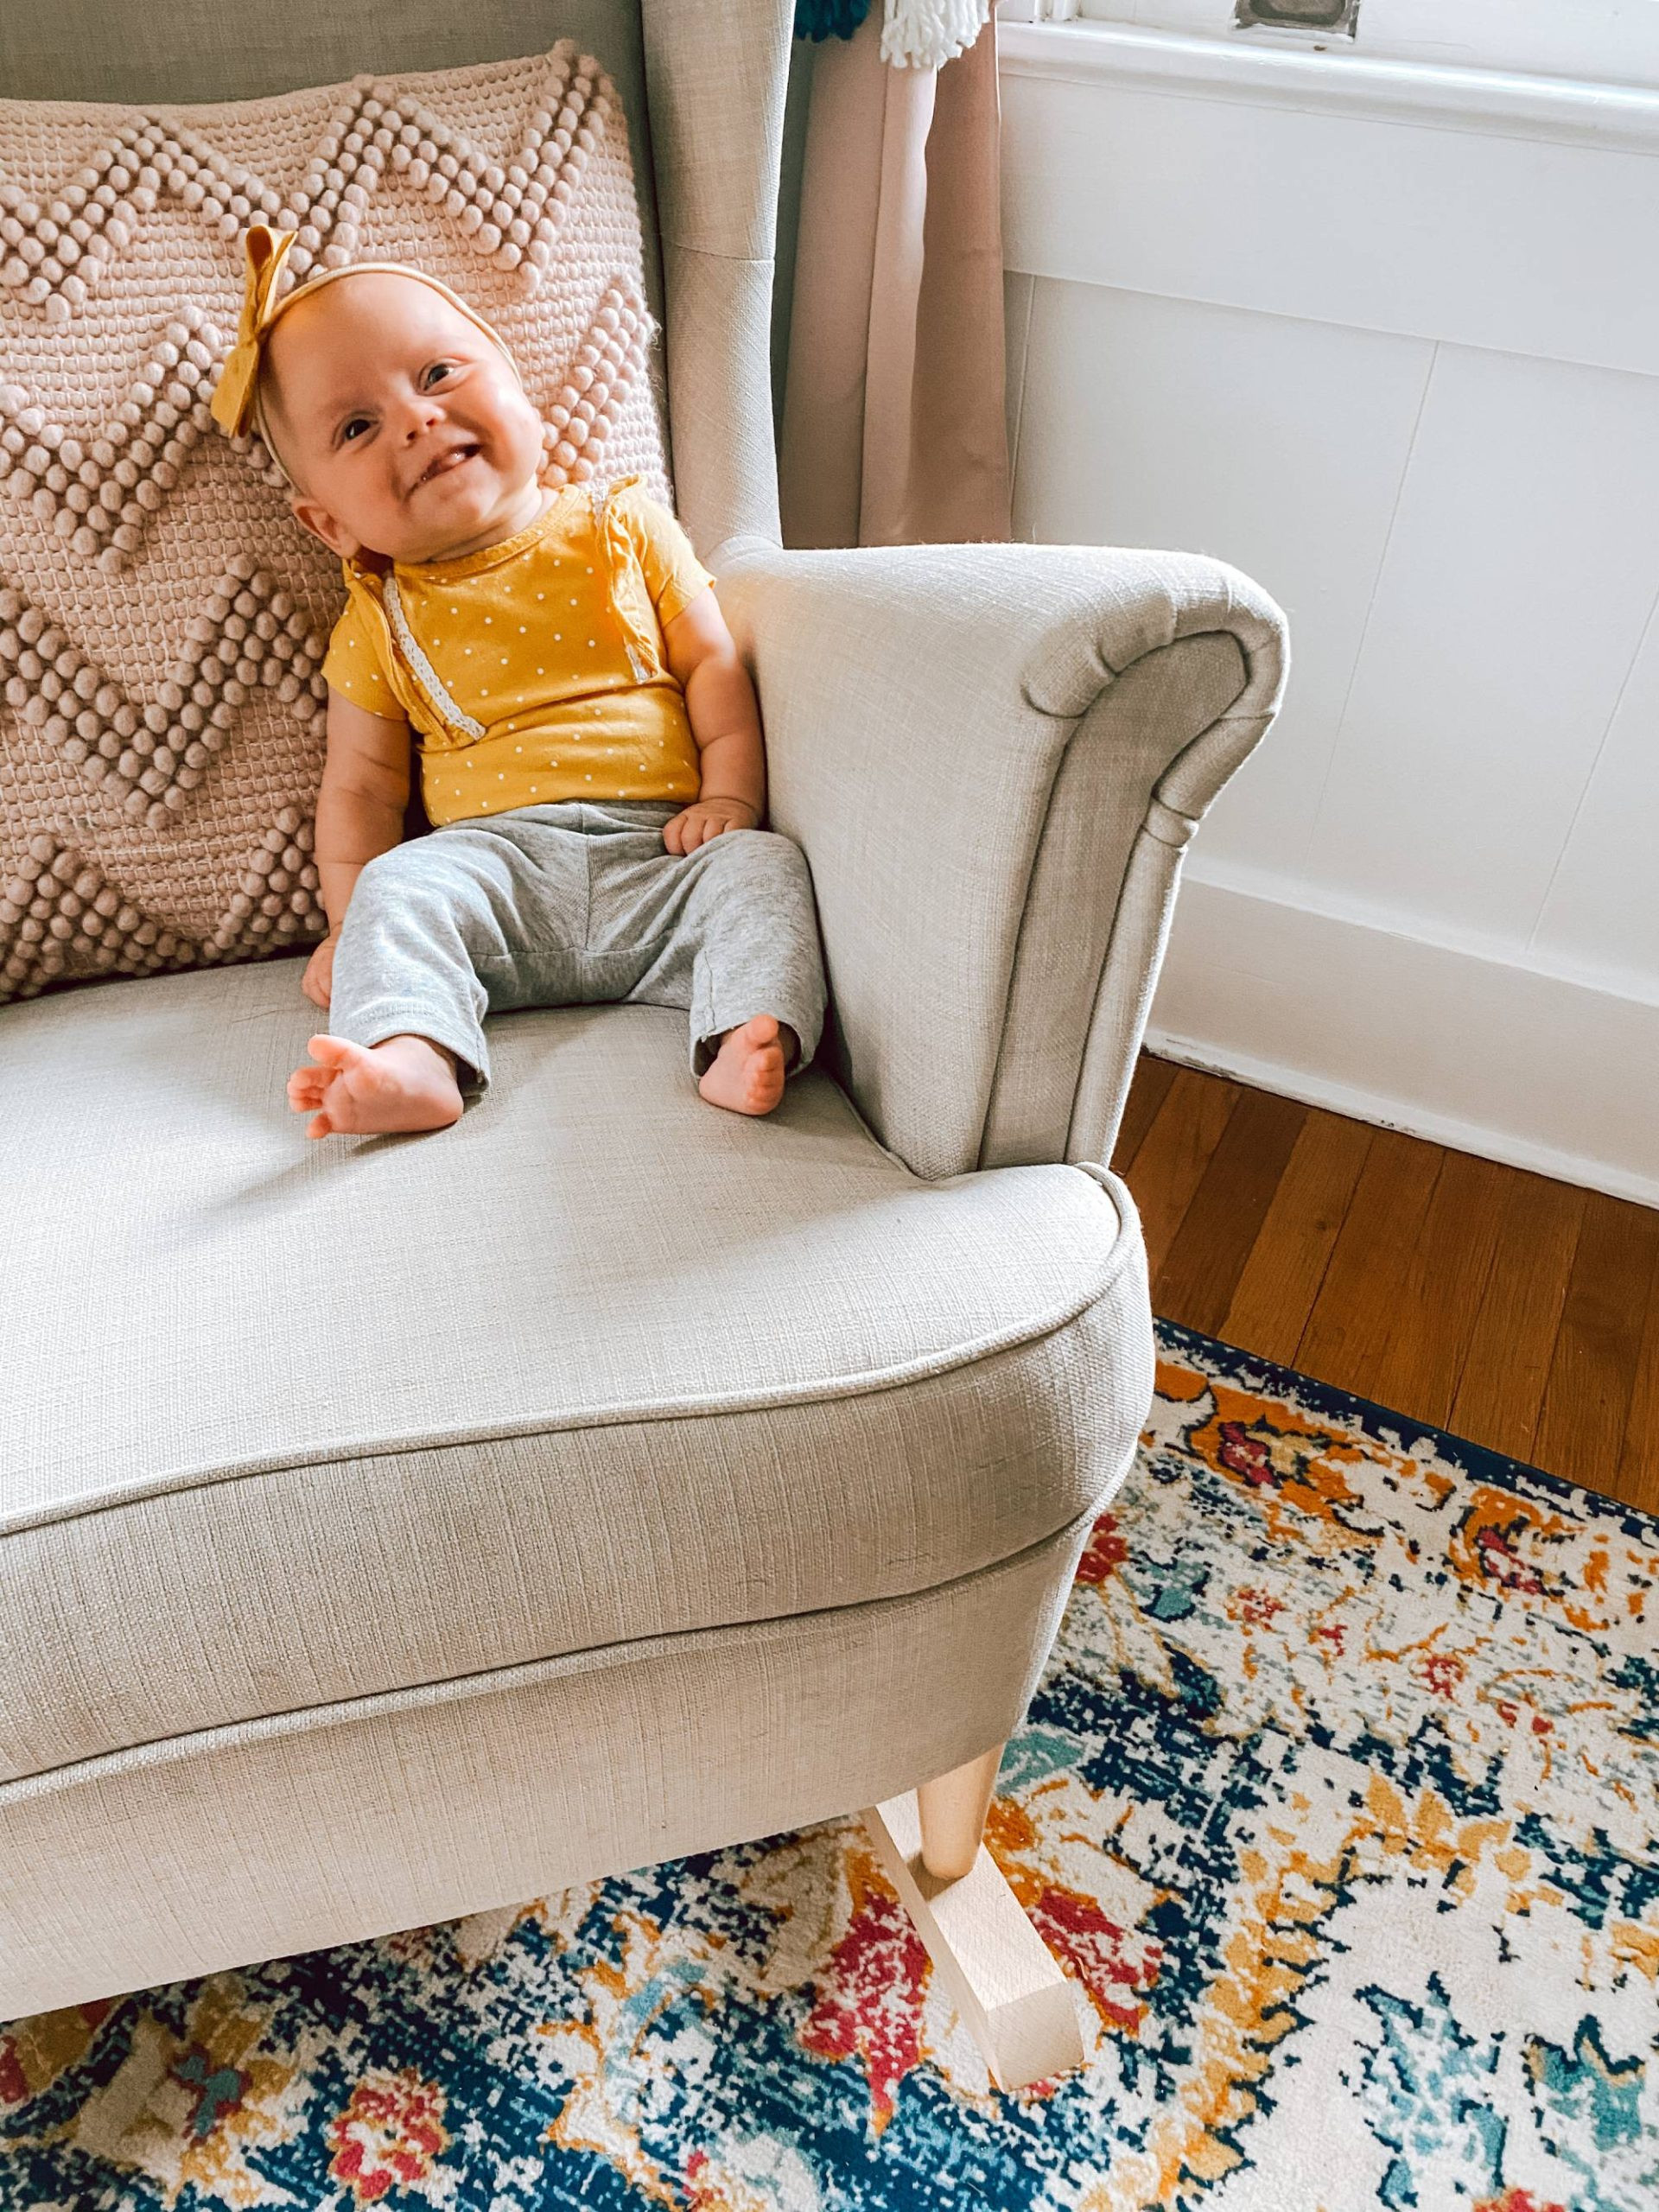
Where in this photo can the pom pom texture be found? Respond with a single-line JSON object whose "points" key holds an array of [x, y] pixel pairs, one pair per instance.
{"points": [[163, 618]]}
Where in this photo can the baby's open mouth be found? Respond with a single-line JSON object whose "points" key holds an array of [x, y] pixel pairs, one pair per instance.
{"points": [[444, 464]]}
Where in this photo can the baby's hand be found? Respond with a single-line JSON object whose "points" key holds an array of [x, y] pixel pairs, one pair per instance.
{"points": [[705, 818], [318, 981]]}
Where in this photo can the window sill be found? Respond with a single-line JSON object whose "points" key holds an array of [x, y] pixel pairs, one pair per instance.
{"points": [[1426, 95]]}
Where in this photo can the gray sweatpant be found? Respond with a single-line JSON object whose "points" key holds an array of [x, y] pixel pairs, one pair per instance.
{"points": [[570, 904]]}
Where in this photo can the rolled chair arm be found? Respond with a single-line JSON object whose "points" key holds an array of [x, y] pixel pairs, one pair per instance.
{"points": [[993, 757]]}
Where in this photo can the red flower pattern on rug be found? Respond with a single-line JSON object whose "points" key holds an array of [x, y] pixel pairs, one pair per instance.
{"points": [[870, 2000], [390, 2135]]}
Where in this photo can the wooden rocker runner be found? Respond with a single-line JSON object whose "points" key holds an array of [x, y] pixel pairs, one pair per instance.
{"points": [[1009, 1989]]}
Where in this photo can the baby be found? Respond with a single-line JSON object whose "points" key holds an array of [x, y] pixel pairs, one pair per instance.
{"points": [[590, 745]]}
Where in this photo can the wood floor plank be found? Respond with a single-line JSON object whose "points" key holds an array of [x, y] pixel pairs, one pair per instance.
{"points": [[1280, 1278], [1352, 1315], [1581, 1423], [1195, 1284], [1516, 1310], [1638, 1465], [1439, 1295], [1169, 1165], [1148, 1092], [1506, 1364]]}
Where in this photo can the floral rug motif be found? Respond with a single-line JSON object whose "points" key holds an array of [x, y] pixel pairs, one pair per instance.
{"points": [[1339, 1800]]}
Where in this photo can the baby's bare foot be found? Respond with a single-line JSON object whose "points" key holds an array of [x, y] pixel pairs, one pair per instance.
{"points": [[746, 1074], [404, 1083]]}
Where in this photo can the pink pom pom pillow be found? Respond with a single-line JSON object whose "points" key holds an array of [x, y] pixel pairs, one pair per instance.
{"points": [[163, 619]]}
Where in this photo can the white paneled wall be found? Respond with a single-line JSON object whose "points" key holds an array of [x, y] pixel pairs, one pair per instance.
{"points": [[1406, 376]]}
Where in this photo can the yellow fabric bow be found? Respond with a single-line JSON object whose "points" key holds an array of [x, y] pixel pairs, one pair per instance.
{"points": [[231, 405]]}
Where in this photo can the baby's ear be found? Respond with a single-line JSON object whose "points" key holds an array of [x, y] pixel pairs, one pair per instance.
{"points": [[312, 515]]}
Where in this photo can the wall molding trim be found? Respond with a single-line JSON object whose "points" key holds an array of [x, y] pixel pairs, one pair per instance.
{"points": [[1184, 168], [1538, 1069], [1426, 95]]}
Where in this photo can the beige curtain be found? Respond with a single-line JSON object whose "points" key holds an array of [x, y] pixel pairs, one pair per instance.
{"points": [[893, 425]]}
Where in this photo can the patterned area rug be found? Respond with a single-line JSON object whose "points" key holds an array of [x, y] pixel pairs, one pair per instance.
{"points": [[1338, 1799]]}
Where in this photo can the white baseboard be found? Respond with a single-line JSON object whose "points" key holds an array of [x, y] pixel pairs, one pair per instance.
{"points": [[1451, 1043]]}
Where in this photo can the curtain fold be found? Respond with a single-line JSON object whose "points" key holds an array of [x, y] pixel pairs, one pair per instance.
{"points": [[894, 418]]}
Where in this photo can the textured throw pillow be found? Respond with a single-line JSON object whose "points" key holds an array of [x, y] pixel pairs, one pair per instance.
{"points": [[163, 619]]}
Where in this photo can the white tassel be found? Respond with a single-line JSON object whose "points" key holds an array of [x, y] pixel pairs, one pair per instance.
{"points": [[927, 33]]}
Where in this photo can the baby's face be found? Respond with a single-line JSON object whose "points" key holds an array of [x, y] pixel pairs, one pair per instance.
{"points": [[403, 427]]}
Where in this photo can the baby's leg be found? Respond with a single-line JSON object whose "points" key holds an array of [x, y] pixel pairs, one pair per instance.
{"points": [[406, 1014], [744, 958]]}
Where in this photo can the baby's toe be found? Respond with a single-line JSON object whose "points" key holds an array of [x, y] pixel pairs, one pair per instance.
{"points": [[767, 1077]]}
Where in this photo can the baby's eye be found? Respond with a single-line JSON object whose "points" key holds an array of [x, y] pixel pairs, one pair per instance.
{"points": [[354, 428], [438, 371]]}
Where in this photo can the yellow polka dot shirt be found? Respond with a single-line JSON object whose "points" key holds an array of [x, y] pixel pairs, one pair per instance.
{"points": [[550, 645]]}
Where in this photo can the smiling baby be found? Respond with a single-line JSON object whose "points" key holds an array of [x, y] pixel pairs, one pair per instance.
{"points": [[589, 741]]}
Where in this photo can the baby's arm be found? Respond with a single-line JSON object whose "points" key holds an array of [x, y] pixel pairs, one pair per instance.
{"points": [[725, 718], [360, 815]]}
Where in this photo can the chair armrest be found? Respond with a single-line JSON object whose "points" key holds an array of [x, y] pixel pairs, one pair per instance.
{"points": [[993, 757]]}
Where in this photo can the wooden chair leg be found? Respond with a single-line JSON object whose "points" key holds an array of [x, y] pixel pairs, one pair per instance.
{"points": [[953, 1809], [1012, 1997]]}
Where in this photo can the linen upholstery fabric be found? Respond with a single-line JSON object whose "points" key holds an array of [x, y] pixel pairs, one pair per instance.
{"points": [[323, 1821], [717, 200], [161, 617], [389, 1812], [601, 1363], [1060, 717]]}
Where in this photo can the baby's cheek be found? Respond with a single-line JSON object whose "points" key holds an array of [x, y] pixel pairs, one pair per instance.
{"points": [[521, 429]]}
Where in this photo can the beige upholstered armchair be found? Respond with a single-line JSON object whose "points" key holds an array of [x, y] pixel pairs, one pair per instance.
{"points": [[395, 1530]]}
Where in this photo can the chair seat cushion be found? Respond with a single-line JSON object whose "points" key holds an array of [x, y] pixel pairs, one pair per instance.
{"points": [[291, 1423]]}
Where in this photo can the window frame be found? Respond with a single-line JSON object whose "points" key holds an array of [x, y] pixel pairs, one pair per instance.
{"points": [[1585, 41]]}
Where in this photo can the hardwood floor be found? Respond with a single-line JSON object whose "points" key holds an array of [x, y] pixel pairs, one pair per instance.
{"points": [[1516, 1312]]}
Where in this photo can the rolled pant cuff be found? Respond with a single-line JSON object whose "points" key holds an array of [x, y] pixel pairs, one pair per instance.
{"points": [[371, 1025]]}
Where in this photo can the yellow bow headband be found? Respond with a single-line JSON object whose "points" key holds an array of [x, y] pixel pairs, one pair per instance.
{"points": [[235, 403]]}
